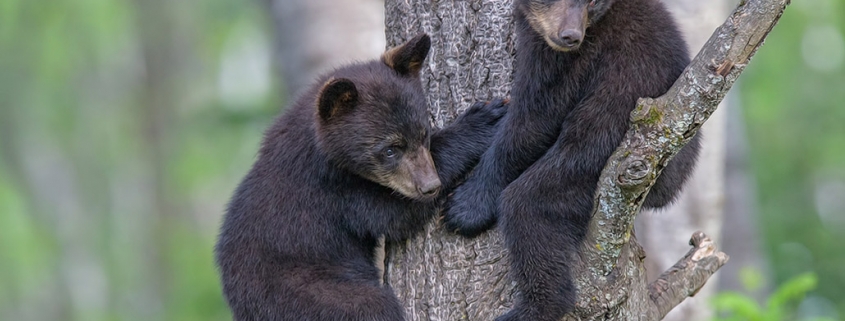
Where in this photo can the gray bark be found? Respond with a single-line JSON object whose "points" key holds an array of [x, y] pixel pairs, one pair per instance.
{"points": [[440, 276], [443, 277]]}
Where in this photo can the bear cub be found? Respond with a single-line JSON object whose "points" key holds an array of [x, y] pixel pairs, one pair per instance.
{"points": [[580, 67], [353, 159]]}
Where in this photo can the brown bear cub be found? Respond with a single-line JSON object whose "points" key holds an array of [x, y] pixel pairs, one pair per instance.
{"points": [[353, 159], [580, 67]]}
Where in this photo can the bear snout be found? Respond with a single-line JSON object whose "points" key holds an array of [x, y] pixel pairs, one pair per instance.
{"points": [[425, 177], [429, 187], [569, 38]]}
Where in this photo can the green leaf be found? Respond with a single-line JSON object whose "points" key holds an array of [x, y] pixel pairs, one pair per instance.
{"points": [[737, 305], [751, 278], [793, 290]]}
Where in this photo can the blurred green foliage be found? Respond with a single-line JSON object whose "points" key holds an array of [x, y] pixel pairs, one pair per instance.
{"points": [[792, 97], [118, 149], [122, 136], [780, 306]]}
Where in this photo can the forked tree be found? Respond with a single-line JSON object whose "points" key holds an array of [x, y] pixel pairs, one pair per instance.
{"points": [[440, 276]]}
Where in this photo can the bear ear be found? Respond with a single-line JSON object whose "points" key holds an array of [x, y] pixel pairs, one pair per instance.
{"points": [[407, 58], [336, 97]]}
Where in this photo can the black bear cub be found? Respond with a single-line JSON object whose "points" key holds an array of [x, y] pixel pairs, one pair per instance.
{"points": [[353, 159], [580, 67]]}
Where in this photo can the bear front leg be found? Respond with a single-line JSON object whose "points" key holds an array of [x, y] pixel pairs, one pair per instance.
{"points": [[525, 135], [457, 147]]}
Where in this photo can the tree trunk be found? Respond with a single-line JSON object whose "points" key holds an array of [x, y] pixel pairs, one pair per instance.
{"points": [[314, 35], [162, 45], [741, 237], [440, 276], [443, 277]]}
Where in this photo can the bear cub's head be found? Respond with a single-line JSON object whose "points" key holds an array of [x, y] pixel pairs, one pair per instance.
{"points": [[373, 120], [562, 23]]}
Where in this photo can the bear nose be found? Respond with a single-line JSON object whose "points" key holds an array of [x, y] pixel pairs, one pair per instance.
{"points": [[430, 187], [570, 38]]}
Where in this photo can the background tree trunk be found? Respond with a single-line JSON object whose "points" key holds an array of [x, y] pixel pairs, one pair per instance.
{"points": [[740, 235], [314, 35], [162, 33]]}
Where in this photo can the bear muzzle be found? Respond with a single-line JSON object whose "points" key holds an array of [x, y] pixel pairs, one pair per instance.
{"points": [[416, 176]]}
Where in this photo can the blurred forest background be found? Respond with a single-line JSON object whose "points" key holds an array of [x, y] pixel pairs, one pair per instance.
{"points": [[126, 124]]}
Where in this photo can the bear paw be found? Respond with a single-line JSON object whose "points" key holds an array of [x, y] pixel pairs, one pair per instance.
{"points": [[485, 115], [471, 209]]}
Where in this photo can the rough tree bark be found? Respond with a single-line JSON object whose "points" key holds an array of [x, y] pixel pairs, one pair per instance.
{"points": [[443, 277]]}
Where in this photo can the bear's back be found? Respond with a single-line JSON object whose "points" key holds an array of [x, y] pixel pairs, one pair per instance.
{"points": [[641, 45]]}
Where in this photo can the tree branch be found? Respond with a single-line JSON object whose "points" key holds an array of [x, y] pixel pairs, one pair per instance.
{"points": [[687, 276], [660, 128]]}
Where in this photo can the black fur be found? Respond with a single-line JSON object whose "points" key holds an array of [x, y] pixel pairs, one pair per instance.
{"points": [[298, 239], [570, 111]]}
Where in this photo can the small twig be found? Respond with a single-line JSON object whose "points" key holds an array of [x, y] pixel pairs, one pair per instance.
{"points": [[686, 277]]}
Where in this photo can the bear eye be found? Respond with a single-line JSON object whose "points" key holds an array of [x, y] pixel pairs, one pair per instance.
{"points": [[389, 152]]}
